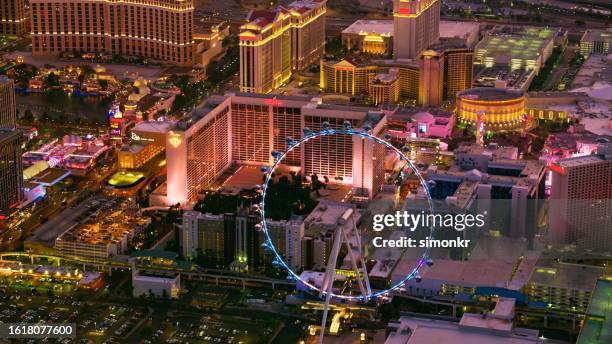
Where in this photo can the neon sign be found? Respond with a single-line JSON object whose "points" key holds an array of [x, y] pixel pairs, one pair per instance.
{"points": [[273, 102], [175, 139], [137, 137]]}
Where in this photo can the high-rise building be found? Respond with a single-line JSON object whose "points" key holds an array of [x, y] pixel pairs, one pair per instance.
{"points": [[8, 110], [245, 128], [307, 32], [11, 169], [580, 205], [231, 239], [416, 24], [161, 30], [197, 152], [12, 17], [431, 79], [273, 44], [458, 71], [352, 78]]}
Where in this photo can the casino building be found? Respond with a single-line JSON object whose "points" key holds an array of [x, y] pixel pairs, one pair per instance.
{"points": [[503, 109], [274, 44], [245, 128], [156, 29]]}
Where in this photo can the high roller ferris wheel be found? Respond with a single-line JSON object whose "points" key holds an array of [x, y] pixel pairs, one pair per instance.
{"points": [[346, 228]]}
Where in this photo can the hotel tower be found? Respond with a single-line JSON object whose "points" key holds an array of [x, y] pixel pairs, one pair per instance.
{"points": [[416, 24], [12, 17], [274, 44], [161, 30]]}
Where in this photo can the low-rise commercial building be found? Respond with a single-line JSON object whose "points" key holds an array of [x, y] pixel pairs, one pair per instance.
{"points": [[596, 41], [494, 327]]}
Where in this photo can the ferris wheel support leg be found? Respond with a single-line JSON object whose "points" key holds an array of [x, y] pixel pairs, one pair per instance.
{"points": [[330, 272], [326, 308], [366, 278], [354, 262]]}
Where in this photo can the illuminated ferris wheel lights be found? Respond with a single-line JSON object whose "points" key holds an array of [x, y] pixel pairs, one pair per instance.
{"points": [[276, 154], [278, 261], [429, 261], [289, 141]]}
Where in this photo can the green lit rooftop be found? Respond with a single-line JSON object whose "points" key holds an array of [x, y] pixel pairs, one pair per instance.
{"points": [[597, 328], [125, 179], [506, 43]]}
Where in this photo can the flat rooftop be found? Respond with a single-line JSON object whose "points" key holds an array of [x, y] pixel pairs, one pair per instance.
{"points": [[514, 43], [579, 161], [490, 94], [153, 126], [327, 214], [369, 27], [596, 69], [597, 327], [50, 176], [476, 273], [458, 29], [549, 272], [414, 330], [591, 35]]}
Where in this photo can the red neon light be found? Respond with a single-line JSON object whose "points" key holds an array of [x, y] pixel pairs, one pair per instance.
{"points": [[248, 38], [404, 10], [557, 168], [273, 102]]}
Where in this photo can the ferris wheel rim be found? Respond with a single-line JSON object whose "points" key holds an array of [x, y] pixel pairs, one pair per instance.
{"points": [[279, 259]]}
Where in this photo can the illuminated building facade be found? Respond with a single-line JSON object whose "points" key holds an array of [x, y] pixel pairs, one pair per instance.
{"points": [[416, 25], [384, 89], [458, 71], [147, 139], [307, 32], [503, 109], [351, 78], [11, 169], [581, 190], [197, 151], [245, 128], [136, 155], [273, 44], [13, 17], [369, 36], [8, 107], [156, 29], [515, 47], [596, 42], [431, 79], [224, 239]]}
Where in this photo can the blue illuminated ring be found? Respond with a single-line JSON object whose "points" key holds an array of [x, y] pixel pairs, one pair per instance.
{"points": [[278, 260]]}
